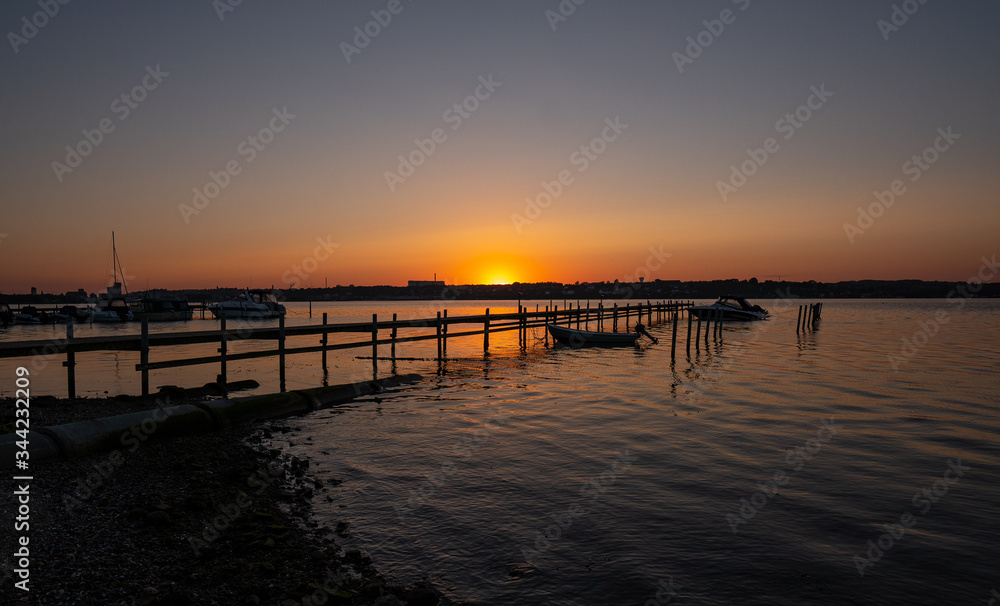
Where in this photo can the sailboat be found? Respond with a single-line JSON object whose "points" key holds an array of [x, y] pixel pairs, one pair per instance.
{"points": [[111, 306]]}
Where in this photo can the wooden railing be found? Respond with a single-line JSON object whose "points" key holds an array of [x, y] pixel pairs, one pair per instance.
{"points": [[586, 318]]}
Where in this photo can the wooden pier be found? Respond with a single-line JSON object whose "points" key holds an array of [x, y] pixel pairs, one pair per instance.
{"points": [[438, 328]]}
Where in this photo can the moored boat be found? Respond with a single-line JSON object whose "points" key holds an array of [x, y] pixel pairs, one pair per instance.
{"points": [[731, 308], [71, 313], [110, 310], [161, 310], [581, 338], [253, 304], [111, 307]]}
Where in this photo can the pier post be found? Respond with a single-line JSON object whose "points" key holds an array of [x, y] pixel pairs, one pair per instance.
{"points": [[143, 355], [673, 341], [437, 326], [70, 362], [324, 341], [545, 329], [486, 331], [222, 349], [614, 315], [374, 346], [310, 309], [392, 348], [689, 333], [281, 353], [444, 333]]}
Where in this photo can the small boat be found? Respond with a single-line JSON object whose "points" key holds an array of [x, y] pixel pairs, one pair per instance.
{"points": [[581, 338], [110, 310], [253, 304], [161, 310], [732, 308], [71, 313], [30, 314]]}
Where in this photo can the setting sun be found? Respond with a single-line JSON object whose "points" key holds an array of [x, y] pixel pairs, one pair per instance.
{"points": [[498, 278]]}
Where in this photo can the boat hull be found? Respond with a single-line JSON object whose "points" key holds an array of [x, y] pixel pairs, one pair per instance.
{"points": [[586, 338], [710, 312]]}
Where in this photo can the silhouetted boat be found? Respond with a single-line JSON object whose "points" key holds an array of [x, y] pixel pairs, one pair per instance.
{"points": [[581, 338], [72, 313], [112, 306], [731, 307], [29, 314], [161, 310], [250, 304], [6, 315], [110, 310]]}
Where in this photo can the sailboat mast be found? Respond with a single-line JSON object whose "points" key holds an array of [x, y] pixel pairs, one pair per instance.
{"points": [[117, 264]]}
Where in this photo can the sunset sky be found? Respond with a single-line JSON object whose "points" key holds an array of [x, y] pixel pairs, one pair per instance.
{"points": [[291, 120]]}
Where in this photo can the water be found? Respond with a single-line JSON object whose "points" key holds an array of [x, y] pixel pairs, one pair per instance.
{"points": [[624, 478]]}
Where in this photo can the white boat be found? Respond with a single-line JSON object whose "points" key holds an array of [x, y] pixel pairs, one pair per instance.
{"points": [[250, 304], [732, 308]]}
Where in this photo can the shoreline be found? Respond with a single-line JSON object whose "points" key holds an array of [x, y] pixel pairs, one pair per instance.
{"points": [[214, 518]]}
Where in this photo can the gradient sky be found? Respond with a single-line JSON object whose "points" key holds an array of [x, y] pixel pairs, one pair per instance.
{"points": [[323, 176]]}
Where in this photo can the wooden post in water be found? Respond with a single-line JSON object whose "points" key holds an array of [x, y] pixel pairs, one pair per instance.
{"points": [[281, 352], [374, 346], [70, 362], [310, 309], [143, 353], [486, 331], [444, 333], [437, 326], [673, 341], [690, 319], [614, 315], [223, 347], [393, 337], [798, 321], [324, 341], [697, 332]]}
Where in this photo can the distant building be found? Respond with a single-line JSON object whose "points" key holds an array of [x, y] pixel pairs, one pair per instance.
{"points": [[422, 283], [34, 291]]}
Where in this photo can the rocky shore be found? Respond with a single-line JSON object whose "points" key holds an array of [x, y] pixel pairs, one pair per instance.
{"points": [[218, 518]]}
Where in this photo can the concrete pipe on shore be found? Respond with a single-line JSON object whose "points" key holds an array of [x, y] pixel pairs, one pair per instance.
{"points": [[84, 438]]}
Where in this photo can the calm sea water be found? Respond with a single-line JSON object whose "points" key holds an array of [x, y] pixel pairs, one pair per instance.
{"points": [[765, 468]]}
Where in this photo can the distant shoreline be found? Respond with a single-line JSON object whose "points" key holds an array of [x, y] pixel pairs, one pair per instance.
{"points": [[655, 289]]}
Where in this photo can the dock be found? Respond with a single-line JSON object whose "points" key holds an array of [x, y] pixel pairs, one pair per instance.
{"points": [[380, 332]]}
